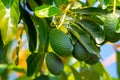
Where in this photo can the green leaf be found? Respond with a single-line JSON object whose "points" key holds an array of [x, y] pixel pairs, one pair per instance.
{"points": [[46, 11], [32, 62], [104, 3], [84, 39], [63, 76], [33, 3], [30, 30], [76, 5], [94, 29], [3, 50], [91, 2], [102, 71], [93, 18], [118, 64], [3, 68], [41, 25], [115, 79], [49, 2], [60, 2], [117, 30], [85, 72], [23, 78], [107, 3], [16, 68], [9, 19], [96, 75], [91, 10], [75, 73]]}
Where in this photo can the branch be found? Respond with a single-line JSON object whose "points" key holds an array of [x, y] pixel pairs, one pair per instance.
{"points": [[64, 15], [114, 7]]}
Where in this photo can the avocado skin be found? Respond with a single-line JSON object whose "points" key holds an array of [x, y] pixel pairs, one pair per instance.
{"points": [[42, 77], [54, 63], [80, 53], [92, 60], [60, 43]]}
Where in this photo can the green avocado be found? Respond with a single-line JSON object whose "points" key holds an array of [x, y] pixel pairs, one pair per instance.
{"points": [[60, 43], [80, 53], [92, 60], [111, 21], [54, 63]]}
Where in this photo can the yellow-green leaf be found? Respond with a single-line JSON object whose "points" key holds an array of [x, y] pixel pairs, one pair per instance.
{"points": [[46, 11], [9, 18]]}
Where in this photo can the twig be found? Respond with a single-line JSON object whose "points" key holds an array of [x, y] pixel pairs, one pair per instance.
{"points": [[64, 15], [114, 7]]}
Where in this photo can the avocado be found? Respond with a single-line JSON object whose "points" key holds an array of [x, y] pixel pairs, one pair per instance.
{"points": [[54, 63], [60, 43]]}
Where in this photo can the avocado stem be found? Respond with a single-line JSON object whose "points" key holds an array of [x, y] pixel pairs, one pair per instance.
{"points": [[114, 7], [64, 15]]}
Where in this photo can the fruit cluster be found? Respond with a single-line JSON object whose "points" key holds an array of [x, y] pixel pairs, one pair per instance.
{"points": [[82, 40]]}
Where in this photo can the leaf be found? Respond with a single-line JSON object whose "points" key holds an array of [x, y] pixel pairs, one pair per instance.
{"points": [[49, 2], [98, 67], [84, 39], [85, 72], [23, 78], [75, 73], [17, 68], [32, 62], [91, 2], [91, 10], [60, 2], [3, 50], [104, 3], [117, 30], [76, 5], [115, 79], [118, 64], [3, 68], [9, 19], [30, 29], [94, 30], [93, 18], [41, 25], [96, 75], [46, 11], [63, 76]]}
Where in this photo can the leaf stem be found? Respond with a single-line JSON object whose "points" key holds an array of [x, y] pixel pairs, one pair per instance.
{"points": [[114, 7], [64, 15]]}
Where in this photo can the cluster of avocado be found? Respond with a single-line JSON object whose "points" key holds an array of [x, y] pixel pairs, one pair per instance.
{"points": [[63, 46]]}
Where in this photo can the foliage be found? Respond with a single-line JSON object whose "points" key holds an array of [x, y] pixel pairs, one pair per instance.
{"points": [[57, 31]]}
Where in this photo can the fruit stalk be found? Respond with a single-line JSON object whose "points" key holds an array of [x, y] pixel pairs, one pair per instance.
{"points": [[114, 7], [64, 15]]}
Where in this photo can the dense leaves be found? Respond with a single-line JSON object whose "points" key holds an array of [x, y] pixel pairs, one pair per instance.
{"points": [[55, 29], [84, 39]]}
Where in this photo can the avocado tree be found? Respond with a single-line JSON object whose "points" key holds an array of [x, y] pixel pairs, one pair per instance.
{"points": [[63, 36]]}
